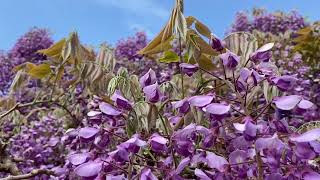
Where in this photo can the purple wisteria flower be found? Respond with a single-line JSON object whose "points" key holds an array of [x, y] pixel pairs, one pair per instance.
{"points": [[158, 143], [200, 174], [88, 170], [116, 177], [152, 93], [230, 60], [217, 162], [200, 100], [188, 69], [263, 54], [148, 79], [288, 103], [249, 129], [216, 110], [120, 101], [108, 109], [249, 77], [133, 144], [271, 143], [78, 158], [285, 83], [146, 174], [308, 136], [216, 43], [88, 133], [183, 105], [120, 154]]}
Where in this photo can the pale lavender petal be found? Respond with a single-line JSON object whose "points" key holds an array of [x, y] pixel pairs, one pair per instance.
{"points": [[311, 176], [288, 102], [77, 159], [266, 47], [269, 143], [88, 132], [183, 163], [108, 109], [116, 177], [240, 127], [89, 169], [93, 113], [200, 174], [200, 101], [217, 162], [217, 109], [305, 104], [148, 79], [238, 156], [311, 135]]}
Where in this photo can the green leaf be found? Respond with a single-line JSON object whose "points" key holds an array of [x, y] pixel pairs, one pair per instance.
{"points": [[181, 26], [55, 50], [40, 71], [203, 29], [169, 57], [18, 82], [205, 63]]}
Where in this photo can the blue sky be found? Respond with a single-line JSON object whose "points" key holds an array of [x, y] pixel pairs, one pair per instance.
{"points": [[100, 21]]}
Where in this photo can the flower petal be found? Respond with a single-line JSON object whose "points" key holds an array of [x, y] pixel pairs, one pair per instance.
{"points": [[305, 104], [288, 102], [108, 109], [217, 162], [200, 174], [311, 135], [200, 101], [88, 132], [89, 169], [217, 109], [79, 158]]}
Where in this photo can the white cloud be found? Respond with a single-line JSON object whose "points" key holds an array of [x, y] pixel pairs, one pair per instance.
{"points": [[141, 7]]}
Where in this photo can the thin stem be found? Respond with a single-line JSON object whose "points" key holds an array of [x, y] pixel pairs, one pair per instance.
{"points": [[259, 165], [238, 111], [245, 97], [234, 82], [224, 69], [264, 109], [181, 61], [32, 174], [210, 73], [18, 106], [116, 166], [164, 125]]}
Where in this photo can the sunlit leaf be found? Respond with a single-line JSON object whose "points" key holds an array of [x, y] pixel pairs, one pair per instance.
{"points": [[18, 82], [169, 57], [190, 20], [55, 50], [205, 63], [40, 71], [203, 29]]}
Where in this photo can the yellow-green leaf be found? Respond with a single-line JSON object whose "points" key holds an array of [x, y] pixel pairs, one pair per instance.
{"points": [[203, 29], [40, 71], [190, 20], [205, 63], [55, 50], [169, 57]]}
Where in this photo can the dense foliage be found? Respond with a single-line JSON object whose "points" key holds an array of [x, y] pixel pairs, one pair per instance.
{"points": [[178, 107]]}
